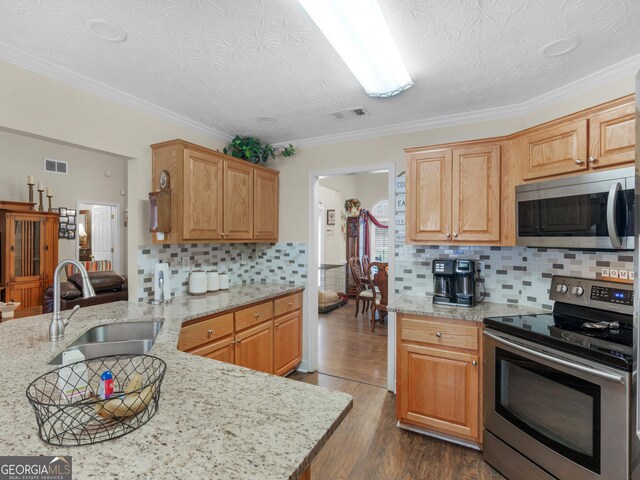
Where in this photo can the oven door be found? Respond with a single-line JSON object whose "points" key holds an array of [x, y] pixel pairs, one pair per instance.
{"points": [[566, 414], [594, 214]]}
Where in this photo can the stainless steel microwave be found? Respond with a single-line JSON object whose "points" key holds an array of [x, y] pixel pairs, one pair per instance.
{"points": [[592, 211]]}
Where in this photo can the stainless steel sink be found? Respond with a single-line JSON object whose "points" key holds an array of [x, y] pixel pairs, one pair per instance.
{"points": [[114, 339]]}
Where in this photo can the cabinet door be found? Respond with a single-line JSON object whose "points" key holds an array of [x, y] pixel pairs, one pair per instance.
{"points": [[287, 343], [612, 137], [556, 150], [238, 201], [221, 350], [28, 294], [429, 196], [254, 348], [438, 389], [476, 193], [50, 247], [265, 206], [24, 238], [202, 207]]}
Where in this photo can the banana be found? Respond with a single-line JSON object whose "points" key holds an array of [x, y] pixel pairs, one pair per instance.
{"points": [[129, 404]]}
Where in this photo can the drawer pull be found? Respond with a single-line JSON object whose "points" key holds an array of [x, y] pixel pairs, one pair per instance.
{"points": [[277, 324], [474, 363], [209, 332], [579, 162], [438, 334], [257, 315], [290, 303]]}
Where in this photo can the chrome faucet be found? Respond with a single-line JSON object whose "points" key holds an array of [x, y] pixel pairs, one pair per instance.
{"points": [[58, 324]]}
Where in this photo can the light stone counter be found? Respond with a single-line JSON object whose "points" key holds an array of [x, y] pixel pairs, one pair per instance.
{"points": [[215, 420], [423, 305]]}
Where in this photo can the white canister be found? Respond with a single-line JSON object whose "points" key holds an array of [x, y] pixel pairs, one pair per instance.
{"points": [[213, 281], [224, 281], [198, 282]]}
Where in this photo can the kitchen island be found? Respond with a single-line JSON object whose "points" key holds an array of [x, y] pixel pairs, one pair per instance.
{"points": [[215, 420]]}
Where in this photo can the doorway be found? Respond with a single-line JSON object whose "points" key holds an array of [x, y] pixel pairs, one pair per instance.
{"points": [[99, 234], [339, 341]]}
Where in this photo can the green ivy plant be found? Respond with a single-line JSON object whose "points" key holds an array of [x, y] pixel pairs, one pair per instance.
{"points": [[253, 150]]}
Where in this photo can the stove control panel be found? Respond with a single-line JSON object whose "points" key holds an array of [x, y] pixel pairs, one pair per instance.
{"points": [[613, 295], [587, 292]]}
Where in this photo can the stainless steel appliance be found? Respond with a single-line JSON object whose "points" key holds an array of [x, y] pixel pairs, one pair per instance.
{"points": [[454, 282], [594, 210], [557, 386]]}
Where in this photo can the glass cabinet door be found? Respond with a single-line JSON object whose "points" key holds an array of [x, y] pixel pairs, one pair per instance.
{"points": [[26, 247]]}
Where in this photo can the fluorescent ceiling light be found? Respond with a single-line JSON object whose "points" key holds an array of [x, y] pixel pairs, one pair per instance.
{"points": [[360, 35]]}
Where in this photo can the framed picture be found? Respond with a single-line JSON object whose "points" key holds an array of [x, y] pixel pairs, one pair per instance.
{"points": [[67, 223], [331, 217]]}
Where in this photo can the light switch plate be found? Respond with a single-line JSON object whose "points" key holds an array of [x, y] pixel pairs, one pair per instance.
{"points": [[186, 263]]}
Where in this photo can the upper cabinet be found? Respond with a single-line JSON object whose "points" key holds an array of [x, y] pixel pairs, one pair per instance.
{"points": [[453, 194], [215, 197], [601, 137]]}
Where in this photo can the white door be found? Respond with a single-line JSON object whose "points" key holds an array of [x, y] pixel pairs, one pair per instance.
{"points": [[102, 233]]}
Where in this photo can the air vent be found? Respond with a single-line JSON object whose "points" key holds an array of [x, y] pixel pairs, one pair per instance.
{"points": [[351, 112], [56, 166]]}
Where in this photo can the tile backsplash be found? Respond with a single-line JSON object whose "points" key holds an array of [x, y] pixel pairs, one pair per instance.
{"points": [[244, 263]]}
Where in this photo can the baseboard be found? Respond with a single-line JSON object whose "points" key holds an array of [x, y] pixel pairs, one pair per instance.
{"points": [[440, 436], [304, 367]]}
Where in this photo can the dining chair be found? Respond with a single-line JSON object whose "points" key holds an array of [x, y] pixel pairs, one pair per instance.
{"points": [[365, 264], [378, 275], [362, 293]]}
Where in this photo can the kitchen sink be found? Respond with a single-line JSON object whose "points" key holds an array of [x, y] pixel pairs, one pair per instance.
{"points": [[114, 339]]}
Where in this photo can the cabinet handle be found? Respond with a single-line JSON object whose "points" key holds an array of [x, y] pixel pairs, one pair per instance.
{"points": [[474, 363], [257, 315], [277, 324], [438, 334], [290, 303], [455, 234], [209, 332], [579, 162], [46, 248], [257, 234], [11, 249], [447, 234], [592, 159]]}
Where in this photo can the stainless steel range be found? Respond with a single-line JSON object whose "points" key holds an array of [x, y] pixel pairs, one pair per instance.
{"points": [[558, 386]]}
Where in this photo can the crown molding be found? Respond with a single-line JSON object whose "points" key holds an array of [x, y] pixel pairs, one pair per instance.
{"points": [[629, 66], [30, 62]]}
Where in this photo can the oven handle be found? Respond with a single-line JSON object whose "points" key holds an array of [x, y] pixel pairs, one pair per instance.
{"points": [[612, 203], [559, 361]]}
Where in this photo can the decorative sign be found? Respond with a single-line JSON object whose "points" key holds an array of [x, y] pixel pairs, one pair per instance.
{"points": [[401, 189]]}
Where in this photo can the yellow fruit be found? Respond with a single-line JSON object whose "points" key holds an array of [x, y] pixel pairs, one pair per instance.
{"points": [[135, 383], [127, 405]]}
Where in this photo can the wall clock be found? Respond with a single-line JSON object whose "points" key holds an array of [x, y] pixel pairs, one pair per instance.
{"points": [[164, 180]]}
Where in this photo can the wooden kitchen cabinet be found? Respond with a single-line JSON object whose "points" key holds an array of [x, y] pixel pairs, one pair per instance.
{"points": [[265, 206], [203, 187], [214, 196], [265, 336], [600, 137], [439, 376], [453, 194]]}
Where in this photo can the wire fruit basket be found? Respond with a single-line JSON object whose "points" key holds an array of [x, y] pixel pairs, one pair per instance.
{"points": [[69, 411]]}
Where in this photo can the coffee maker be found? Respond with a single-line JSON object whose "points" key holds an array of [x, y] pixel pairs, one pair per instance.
{"points": [[454, 282]]}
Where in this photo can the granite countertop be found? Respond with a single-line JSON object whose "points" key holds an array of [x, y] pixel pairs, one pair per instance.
{"points": [[215, 420], [423, 305]]}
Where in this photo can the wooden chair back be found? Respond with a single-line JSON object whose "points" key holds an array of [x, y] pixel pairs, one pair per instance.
{"points": [[356, 269], [365, 264], [378, 275]]}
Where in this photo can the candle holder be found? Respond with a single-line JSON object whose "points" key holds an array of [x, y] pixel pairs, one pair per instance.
{"points": [[49, 197], [31, 185], [40, 206]]}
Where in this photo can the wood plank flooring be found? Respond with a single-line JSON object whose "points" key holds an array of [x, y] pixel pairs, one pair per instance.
{"points": [[369, 446], [348, 349]]}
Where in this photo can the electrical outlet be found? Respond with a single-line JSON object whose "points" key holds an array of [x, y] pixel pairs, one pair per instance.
{"points": [[613, 273], [186, 263], [479, 267], [624, 274], [631, 275], [605, 272], [243, 258]]}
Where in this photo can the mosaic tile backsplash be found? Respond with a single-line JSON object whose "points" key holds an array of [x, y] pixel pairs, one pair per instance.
{"points": [[244, 263]]}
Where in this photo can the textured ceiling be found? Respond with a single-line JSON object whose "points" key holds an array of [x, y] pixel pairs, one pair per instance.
{"points": [[225, 63]]}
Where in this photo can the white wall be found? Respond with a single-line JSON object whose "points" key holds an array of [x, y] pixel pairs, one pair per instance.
{"points": [[295, 171], [38, 105], [22, 155]]}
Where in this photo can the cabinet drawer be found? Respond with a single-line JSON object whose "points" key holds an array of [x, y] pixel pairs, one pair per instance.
{"points": [[287, 304], [205, 331], [445, 333], [254, 315]]}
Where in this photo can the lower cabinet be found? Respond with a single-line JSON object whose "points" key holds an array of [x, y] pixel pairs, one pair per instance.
{"points": [[266, 336], [439, 376]]}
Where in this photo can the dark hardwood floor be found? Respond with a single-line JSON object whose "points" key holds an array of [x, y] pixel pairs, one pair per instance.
{"points": [[348, 349], [369, 446]]}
